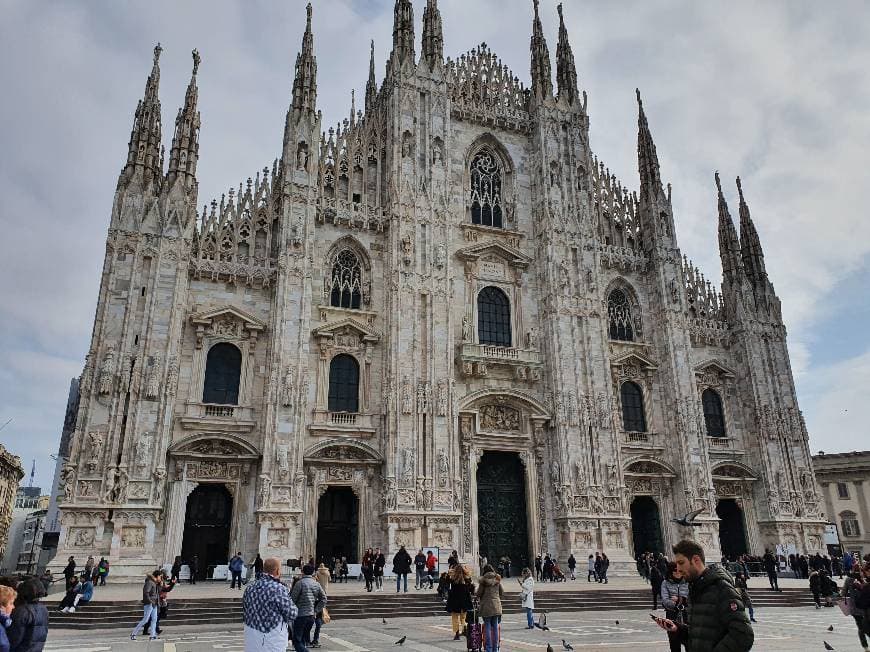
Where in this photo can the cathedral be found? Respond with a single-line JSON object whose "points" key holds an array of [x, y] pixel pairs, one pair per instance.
{"points": [[441, 322]]}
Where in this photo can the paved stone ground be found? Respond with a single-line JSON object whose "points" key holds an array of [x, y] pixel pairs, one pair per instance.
{"points": [[779, 629]]}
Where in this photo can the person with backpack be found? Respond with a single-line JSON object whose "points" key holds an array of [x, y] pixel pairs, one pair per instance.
{"points": [[419, 568], [741, 584], [490, 593], [103, 571]]}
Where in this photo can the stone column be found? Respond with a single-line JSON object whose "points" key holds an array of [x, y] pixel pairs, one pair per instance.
{"points": [[175, 513]]}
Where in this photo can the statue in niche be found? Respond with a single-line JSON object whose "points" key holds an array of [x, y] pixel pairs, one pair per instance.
{"points": [[67, 482], [159, 478], [466, 329], [442, 398], [407, 144], [152, 383], [564, 274], [94, 449], [443, 468], [440, 255], [107, 370], [287, 389], [407, 400], [302, 156], [532, 339], [408, 467], [422, 397], [265, 496]]}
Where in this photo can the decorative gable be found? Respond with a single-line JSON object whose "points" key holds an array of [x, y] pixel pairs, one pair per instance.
{"points": [[632, 365], [347, 333], [494, 252], [713, 373], [226, 322]]}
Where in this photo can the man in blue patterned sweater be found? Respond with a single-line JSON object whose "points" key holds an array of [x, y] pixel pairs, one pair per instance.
{"points": [[269, 611]]}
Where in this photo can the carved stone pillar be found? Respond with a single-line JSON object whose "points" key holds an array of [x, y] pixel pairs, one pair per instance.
{"points": [[322, 378]]}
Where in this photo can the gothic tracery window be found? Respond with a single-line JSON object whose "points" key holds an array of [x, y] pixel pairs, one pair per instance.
{"points": [[493, 317], [633, 418], [223, 371], [714, 417], [620, 317], [344, 384], [486, 189], [345, 286]]}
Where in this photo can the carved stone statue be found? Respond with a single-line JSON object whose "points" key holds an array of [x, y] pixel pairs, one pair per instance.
{"points": [[67, 482], [287, 389], [443, 468], [265, 496], [532, 339], [107, 371], [152, 383], [407, 401], [466, 329], [442, 397], [422, 397], [159, 479], [408, 467]]}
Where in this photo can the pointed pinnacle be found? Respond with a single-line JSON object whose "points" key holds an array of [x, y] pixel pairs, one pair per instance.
{"points": [[740, 190], [196, 60], [157, 50], [718, 183], [308, 10]]}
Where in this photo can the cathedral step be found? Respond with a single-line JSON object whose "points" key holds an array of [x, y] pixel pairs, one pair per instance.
{"points": [[124, 614]]}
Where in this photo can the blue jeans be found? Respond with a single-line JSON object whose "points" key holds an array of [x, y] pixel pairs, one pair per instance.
{"points": [[149, 615], [530, 617], [318, 623], [301, 631], [490, 631], [399, 577]]}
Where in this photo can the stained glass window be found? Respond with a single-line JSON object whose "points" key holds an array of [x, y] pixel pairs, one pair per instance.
{"points": [[619, 315], [346, 281]]}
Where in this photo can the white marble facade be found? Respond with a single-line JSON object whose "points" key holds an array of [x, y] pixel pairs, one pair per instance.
{"points": [[393, 185]]}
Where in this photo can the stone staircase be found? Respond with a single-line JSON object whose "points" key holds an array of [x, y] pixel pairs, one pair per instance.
{"points": [[204, 611]]}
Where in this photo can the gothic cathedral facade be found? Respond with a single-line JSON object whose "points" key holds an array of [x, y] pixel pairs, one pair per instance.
{"points": [[441, 323]]}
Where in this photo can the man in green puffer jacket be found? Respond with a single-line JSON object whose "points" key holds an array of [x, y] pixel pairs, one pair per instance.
{"points": [[717, 619]]}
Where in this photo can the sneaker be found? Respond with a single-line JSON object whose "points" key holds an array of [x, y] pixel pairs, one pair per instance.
{"points": [[315, 644], [456, 637], [132, 637], [72, 610], [65, 610]]}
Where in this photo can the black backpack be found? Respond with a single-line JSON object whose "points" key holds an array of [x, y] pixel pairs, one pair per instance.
{"points": [[862, 597]]}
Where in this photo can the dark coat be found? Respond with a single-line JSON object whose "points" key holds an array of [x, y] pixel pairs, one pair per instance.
{"points": [[717, 617], [459, 597], [402, 562], [29, 627]]}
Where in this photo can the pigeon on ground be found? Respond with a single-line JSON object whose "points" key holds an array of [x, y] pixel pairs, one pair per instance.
{"points": [[689, 519], [550, 648], [830, 628], [401, 641], [384, 621], [828, 646], [617, 622], [566, 645]]}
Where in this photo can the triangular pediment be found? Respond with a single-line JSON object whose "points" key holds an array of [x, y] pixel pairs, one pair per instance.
{"points": [[250, 322], [343, 450], [636, 360], [713, 366], [344, 327], [511, 256]]}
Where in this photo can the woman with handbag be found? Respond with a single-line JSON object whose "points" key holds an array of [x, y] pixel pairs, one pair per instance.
{"points": [[675, 599], [527, 596]]}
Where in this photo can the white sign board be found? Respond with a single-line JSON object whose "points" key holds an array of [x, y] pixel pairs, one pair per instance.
{"points": [[832, 537]]}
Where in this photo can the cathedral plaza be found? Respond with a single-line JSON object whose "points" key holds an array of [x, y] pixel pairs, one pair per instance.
{"points": [[442, 323]]}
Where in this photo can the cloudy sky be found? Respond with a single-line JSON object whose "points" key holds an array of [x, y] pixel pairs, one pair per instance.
{"points": [[777, 92]]}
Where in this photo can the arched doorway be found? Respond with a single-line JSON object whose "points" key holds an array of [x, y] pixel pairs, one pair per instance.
{"points": [[732, 529], [337, 525], [501, 508], [207, 523], [646, 525]]}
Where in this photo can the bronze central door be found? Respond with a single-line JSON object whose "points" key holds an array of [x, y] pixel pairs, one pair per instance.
{"points": [[501, 508]]}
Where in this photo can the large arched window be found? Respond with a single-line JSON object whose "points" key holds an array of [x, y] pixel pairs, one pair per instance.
{"points": [[620, 317], [493, 317], [633, 418], [344, 384], [223, 370], [345, 286], [486, 189], [713, 415]]}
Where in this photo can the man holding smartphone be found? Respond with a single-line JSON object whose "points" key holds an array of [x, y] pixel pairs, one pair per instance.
{"points": [[717, 618]]}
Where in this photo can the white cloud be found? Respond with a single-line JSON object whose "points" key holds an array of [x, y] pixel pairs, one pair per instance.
{"points": [[774, 92]]}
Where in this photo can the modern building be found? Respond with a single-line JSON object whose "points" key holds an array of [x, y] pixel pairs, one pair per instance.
{"points": [[845, 482], [10, 475], [441, 322], [24, 549]]}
